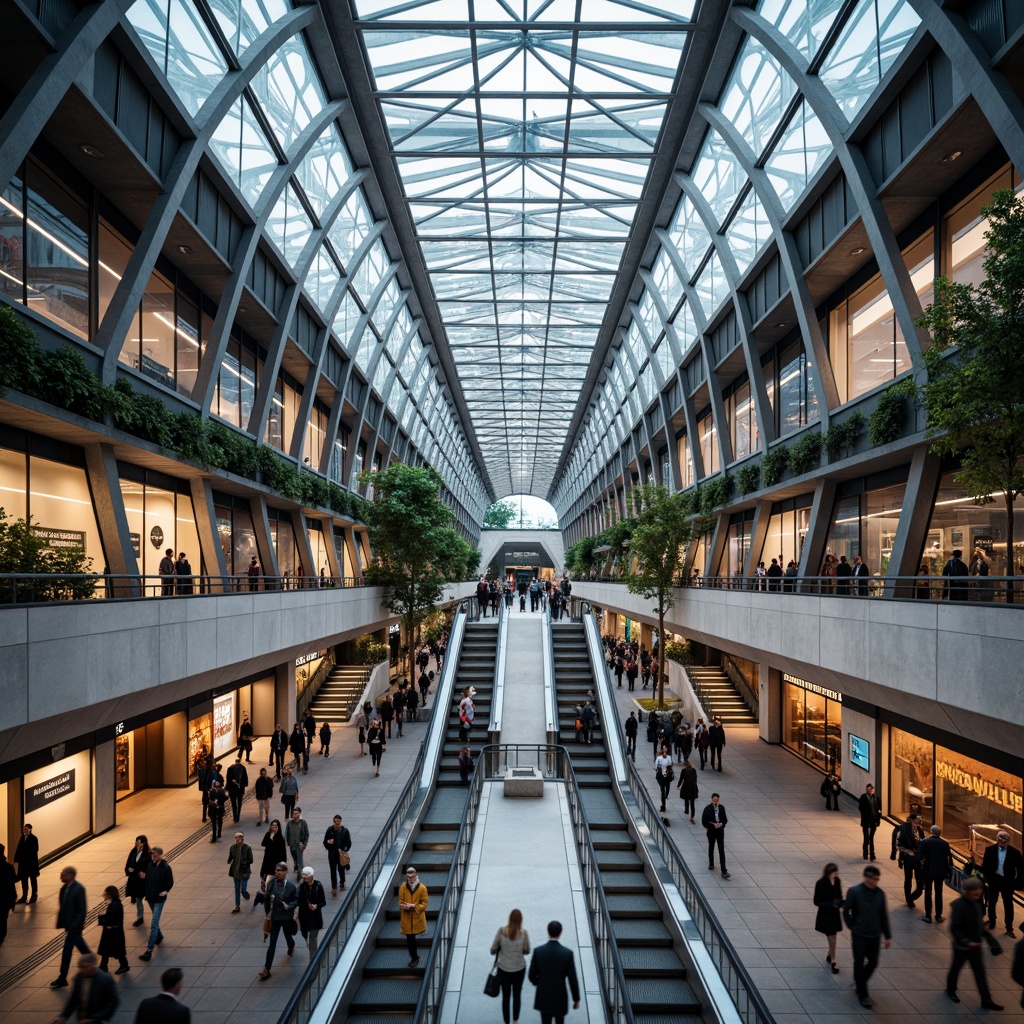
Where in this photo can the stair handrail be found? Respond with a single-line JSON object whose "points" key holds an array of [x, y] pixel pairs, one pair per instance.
{"points": [[703, 698], [303, 1000], [498, 689], [548, 661], [307, 694], [741, 987]]}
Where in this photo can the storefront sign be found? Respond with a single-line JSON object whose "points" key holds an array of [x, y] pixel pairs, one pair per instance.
{"points": [[60, 540], [44, 793], [981, 787], [394, 629], [813, 687], [523, 555], [305, 659], [136, 540]]}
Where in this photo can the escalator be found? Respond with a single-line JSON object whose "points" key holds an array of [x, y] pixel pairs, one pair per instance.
{"points": [[388, 990], [655, 976]]}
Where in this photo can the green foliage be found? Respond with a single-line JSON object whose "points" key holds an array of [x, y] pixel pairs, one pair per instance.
{"points": [[21, 355], [773, 465], [886, 423], [473, 557], [22, 550], [369, 651], [841, 437], [749, 478], [69, 383], [500, 515], [617, 537], [417, 551], [679, 651], [714, 494], [805, 454], [974, 397]]}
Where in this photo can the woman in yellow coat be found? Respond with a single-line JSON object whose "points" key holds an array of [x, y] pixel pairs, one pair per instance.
{"points": [[412, 899]]}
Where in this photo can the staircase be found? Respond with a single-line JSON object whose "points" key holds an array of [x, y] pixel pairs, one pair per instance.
{"points": [[716, 692], [388, 990], [339, 693], [655, 977]]}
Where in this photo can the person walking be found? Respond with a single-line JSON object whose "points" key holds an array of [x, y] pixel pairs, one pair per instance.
{"points": [[398, 702], [282, 899], [111, 920], [716, 741], [861, 574], [309, 728], [245, 737], [511, 946], [910, 835], [362, 722], [663, 775], [274, 851], [135, 868], [8, 893], [867, 918], [551, 967], [589, 718], [296, 838], [298, 749], [714, 819], [465, 765], [701, 740], [93, 996], [253, 572], [412, 901], [237, 784], [955, 569], [325, 739], [240, 869], [289, 791], [70, 917], [688, 791], [1003, 870], [159, 882], [312, 901], [968, 932], [386, 713], [204, 783], [337, 843], [936, 869], [630, 727], [165, 1007], [375, 741], [264, 790], [278, 749], [828, 898], [870, 818], [467, 712], [217, 801], [26, 863], [831, 788]]}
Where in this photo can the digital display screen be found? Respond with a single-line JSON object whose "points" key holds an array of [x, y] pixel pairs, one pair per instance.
{"points": [[860, 752]]}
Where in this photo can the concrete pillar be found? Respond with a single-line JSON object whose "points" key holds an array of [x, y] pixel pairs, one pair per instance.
{"points": [[285, 711], [264, 540], [209, 537], [334, 565], [302, 546], [101, 467], [818, 528], [770, 704], [264, 707], [758, 534], [175, 752], [918, 499], [104, 788]]}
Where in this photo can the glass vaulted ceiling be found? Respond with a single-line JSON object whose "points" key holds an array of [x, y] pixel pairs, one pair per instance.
{"points": [[523, 131]]}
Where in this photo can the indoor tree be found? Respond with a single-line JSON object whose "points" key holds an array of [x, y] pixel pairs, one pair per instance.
{"points": [[416, 549], [662, 527], [500, 515], [974, 394]]}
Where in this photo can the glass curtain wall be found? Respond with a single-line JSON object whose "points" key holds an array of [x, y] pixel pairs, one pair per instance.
{"points": [[812, 723], [787, 530], [864, 522], [159, 518]]}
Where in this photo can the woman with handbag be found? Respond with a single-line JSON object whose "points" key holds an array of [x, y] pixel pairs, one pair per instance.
{"points": [[510, 948], [663, 774], [828, 898], [312, 900], [375, 741], [362, 721]]}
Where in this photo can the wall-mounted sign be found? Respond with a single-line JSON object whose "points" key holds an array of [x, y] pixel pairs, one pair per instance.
{"points": [[982, 787], [61, 540], [860, 752], [42, 794], [394, 629], [136, 540], [156, 537], [813, 687], [305, 659]]}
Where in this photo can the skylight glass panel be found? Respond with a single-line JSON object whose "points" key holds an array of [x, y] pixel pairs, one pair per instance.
{"points": [[369, 272], [690, 236], [323, 278], [350, 227], [797, 156], [718, 175], [748, 231], [324, 169], [670, 288], [289, 91], [804, 22], [289, 226], [243, 22], [757, 96]]}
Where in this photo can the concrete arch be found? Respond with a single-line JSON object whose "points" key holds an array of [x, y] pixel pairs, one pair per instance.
{"points": [[549, 541]]}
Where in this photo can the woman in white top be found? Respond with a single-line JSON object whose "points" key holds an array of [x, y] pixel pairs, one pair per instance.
{"points": [[511, 945], [663, 773]]}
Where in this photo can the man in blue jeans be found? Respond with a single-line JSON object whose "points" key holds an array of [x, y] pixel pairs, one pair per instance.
{"points": [[70, 917], [159, 882]]}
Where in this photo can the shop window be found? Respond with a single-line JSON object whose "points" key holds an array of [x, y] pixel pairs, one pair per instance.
{"points": [[911, 776], [60, 504], [237, 539], [318, 545], [236, 384], [159, 518], [284, 411], [812, 724], [708, 434], [787, 531], [789, 382], [283, 536], [316, 433], [737, 544], [685, 457], [865, 524], [739, 409], [964, 230]]}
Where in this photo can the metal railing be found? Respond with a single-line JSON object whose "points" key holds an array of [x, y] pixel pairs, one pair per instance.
{"points": [[41, 588], [550, 697], [498, 686], [959, 589], [742, 990]]}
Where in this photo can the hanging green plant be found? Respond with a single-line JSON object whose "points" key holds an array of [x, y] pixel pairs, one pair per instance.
{"points": [[805, 454], [841, 437], [773, 465], [886, 423], [749, 478]]}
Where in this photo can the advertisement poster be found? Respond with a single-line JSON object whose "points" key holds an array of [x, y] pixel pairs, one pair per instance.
{"points": [[58, 801], [223, 724], [200, 741]]}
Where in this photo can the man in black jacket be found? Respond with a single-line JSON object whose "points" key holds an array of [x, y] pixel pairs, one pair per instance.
{"points": [[1004, 872], [282, 899], [278, 749], [861, 574], [870, 818], [551, 966], [867, 917], [716, 740], [159, 882], [337, 840], [936, 859], [968, 931], [93, 993], [630, 728], [70, 917], [911, 834], [843, 573], [8, 894], [245, 735], [238, 783], [714, 819], [956, 569], [26, 860], [165, 1007]]}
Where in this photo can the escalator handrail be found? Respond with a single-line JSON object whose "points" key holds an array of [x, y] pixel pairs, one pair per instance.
{"points": [[498, 689], [310, 987], [550, 695], [727, 961]]}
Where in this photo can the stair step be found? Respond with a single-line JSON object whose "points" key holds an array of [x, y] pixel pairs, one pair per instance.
{"points": [[650, 962], [633, 905], [662, 995], [398, 994], [640, 932], [625, 882]]}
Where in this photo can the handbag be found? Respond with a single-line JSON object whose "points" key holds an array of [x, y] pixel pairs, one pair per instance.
{"points": [[344, 859], [492, 986], [266, 925], [291, 926]]}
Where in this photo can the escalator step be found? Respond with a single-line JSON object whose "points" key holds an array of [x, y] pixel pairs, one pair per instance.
{"points": [[662, 995], [635, 905], [400, 994], [650, 961], [640, 932]]}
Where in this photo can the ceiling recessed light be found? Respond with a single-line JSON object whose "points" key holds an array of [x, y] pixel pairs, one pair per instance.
{"points": [[243, 309], [185, 250], [858, 250], [781, 323], [954, 155], [91, 150]]}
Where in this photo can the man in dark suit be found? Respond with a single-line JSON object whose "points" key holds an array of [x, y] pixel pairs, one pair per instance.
{"points": [[93, 995], [70, 917], [165, 1008], [278, 749], [936, 859], [861, 574], [714, 819], [968, 932], [1003, 869], [551, 966], [238, 783], [870, 818]]}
